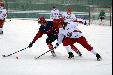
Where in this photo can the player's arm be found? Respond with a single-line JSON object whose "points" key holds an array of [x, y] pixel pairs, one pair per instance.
{"points": [[104, 14], [51, 15], [60, 38], [81, 21], [78, 21], [38, 35], [100, 15], [75, 19], [5, 13]]}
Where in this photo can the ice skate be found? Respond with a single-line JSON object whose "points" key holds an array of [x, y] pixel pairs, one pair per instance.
{"points": [[99, 58], [1, 32], [53, 54], [70, 55], [79, 53]]}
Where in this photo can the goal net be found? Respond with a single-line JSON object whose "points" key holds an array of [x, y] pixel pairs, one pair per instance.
{"points": [[94, 16]]}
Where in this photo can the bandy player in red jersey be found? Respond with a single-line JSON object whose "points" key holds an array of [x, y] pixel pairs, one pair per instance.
{"points": [[47, 28], [3, 15], [70, 34]]}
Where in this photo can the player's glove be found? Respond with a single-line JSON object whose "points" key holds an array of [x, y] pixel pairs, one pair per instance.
{"points": [[69, 34], [85, 23], [30, 45], [56, 45]]}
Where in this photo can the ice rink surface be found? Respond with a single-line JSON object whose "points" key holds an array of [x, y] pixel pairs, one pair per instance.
{"points": [[19, 33]]}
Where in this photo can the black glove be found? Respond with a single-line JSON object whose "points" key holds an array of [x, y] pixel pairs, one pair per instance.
{"points": [[30, 45], [56, 45], [69, 34], [85, 23]]}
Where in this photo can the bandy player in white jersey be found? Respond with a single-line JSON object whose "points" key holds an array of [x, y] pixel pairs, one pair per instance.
{"points": [[70, 34], [55, 13], [69, 16], [3, 15], [55, 16]]}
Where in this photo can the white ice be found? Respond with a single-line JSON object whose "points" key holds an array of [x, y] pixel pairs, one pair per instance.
{"points": [[19, 33]]}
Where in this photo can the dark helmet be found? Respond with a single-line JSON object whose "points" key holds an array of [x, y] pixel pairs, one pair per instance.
{"points": [[54, 7]]}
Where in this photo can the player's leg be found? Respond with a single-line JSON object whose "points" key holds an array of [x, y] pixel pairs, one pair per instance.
{"points": [[1, 30], [103, 20], [49, 41], [1, 26], [70, 41], [82, 40], [85, 44], [68, 48], [66, 43], [76, 50], [99, 21]]}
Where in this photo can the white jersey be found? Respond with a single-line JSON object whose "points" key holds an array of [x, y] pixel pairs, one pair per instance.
{"points": [[55, 14], [68, 17], [3, 13], [71, 28]]}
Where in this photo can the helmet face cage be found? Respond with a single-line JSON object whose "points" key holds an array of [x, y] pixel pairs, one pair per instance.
{"points": [[69, 11], [42, 20], [1, 4]]}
